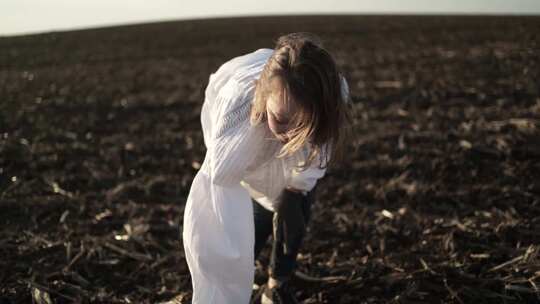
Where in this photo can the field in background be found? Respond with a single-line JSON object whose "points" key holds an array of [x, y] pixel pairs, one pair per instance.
{"points": [[438, 201]]}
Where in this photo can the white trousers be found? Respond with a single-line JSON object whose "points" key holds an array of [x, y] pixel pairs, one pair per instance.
{"points": [[218, 236]]}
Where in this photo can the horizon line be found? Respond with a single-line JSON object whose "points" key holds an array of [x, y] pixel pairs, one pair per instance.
{"points": [[240, 16]]}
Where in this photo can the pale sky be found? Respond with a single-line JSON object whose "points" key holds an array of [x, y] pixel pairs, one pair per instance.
{"points": [[35, 16]]}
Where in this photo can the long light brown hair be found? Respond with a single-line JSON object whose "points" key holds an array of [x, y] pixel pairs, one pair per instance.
{"points": [[308, 76]]}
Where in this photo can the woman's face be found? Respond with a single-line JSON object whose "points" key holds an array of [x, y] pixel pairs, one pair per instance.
{"points": [[279, 114]]}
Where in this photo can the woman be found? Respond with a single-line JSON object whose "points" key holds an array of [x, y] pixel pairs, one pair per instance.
{"points": [[270, 119]]}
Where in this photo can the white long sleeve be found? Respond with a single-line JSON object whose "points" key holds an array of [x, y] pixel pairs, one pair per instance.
{"points": [[228, 136], [231, 150]]}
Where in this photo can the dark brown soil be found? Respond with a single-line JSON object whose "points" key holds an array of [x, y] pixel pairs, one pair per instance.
{"points": [[438, 200]]}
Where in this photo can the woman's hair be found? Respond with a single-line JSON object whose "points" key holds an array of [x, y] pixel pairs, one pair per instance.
{"points": [[301, 71]]}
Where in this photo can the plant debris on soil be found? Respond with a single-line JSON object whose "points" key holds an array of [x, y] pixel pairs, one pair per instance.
{"points": [[437, 201]]}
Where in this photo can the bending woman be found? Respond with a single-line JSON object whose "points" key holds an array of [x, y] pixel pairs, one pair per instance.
{"points": [[271, 119]]}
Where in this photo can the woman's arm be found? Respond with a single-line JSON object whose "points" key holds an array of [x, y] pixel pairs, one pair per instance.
{"points": [[233, 138]]}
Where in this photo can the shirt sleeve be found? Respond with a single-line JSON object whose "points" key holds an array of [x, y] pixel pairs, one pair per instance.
{"points": [[306, 179], [232, 145], [345, 92]]}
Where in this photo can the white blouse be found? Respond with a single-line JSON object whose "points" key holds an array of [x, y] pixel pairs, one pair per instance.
{"points": [[239, 152]]}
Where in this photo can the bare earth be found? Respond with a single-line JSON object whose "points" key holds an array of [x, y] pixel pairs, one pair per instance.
{"points": [[437, 202]]}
